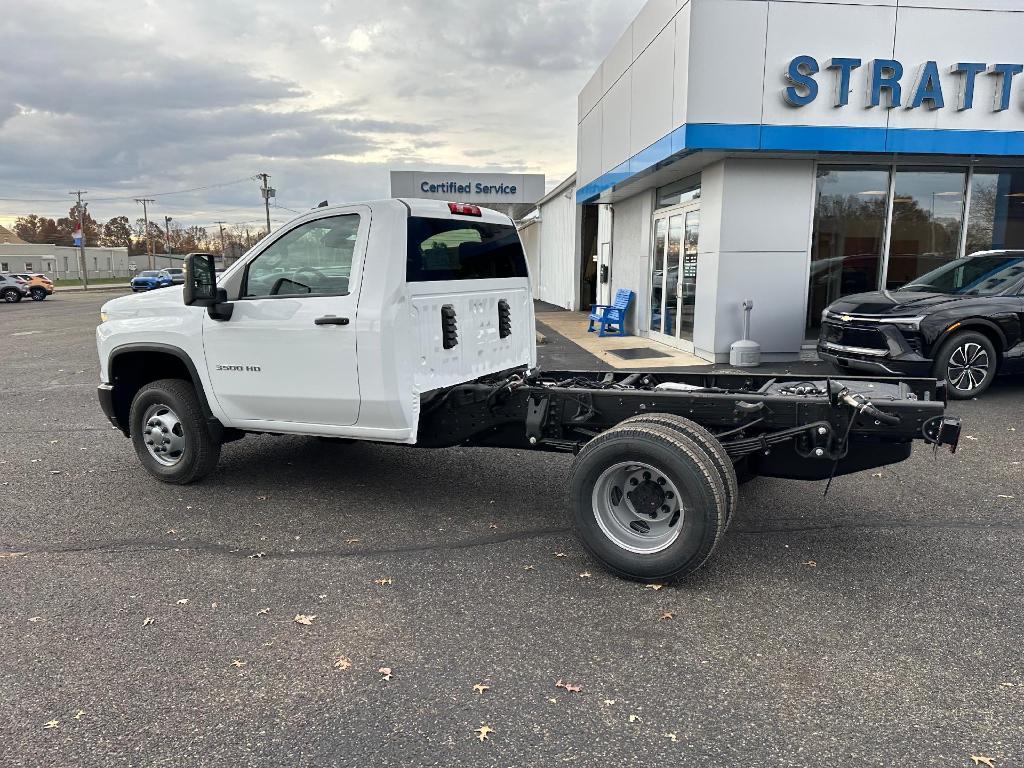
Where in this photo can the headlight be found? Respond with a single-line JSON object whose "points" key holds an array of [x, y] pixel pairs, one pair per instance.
{"points": [[908, 323], [104, 316]]}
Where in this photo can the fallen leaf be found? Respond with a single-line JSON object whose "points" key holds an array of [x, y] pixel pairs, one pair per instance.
{"points": [[302, 618], [342, 662], [238, 663], [609, 702], [54, 442], [493, 526], [810, 564], [552, 701], [171, 532], [655, 587], [35, 619], [147, 621], [351, 541], [262, 498], [585, 575], [635, 719], [484, 732], [970, 437], [79, 713], [214, 605], [385, 672], [982, 760], [529, 568], [12, 554], [54, 471], [573, 688], [383, 582], [1004, 496], [257, 555], [559, 554], [667, 616], [670, 736], [262, 611], [51, 724], [183, 601], [479, 688], [1006, 685], [876, 474]]}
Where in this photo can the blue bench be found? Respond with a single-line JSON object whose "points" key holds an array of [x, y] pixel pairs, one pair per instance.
{"points": [[612, 316]]}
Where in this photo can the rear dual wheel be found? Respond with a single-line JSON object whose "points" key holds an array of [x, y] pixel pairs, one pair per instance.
{"points": [[648, 500]]}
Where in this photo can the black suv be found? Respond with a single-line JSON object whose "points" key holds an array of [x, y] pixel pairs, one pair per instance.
{"points": [[962, 322]]}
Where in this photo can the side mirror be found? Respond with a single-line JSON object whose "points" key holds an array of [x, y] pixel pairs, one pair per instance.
{"points": [[200, 280]]}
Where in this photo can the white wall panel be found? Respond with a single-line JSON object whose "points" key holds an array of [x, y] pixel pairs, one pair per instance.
{"points": [[615, 123], [619, 59], [591, 95], [765, 205], [631, 246], [839, 30], [651, 99], [982, 36], [588, 148], [557, 267], [649, 23], [727, 43], [681, 66]]}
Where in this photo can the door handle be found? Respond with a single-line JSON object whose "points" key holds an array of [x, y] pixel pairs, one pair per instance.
{"points": [[331, 320]]}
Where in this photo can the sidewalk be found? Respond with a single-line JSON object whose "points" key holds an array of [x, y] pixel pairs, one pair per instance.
{"points": [[568, 347]]}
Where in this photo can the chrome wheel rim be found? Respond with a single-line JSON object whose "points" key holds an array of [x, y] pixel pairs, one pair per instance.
{"points": [[163, 434], [638, 507], [968, 366]]}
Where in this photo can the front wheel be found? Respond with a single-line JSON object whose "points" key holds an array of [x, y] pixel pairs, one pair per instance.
{"points": [[171, 436], [38, 294], [647, 502], [968, 363], [11, 295]]}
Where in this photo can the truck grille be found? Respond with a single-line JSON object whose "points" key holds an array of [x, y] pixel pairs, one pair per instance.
{"points": [[853, 336]]}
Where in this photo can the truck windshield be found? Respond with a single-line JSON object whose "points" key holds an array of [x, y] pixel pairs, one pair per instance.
{"points": [[453, 249], [975, 275]]}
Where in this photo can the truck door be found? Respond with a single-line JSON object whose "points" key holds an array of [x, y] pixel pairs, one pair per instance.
{"points": [[288, 353]]}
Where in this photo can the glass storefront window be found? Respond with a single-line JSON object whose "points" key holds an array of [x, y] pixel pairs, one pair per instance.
{"points": [[997, 210], [927, 220], [682, 191], [849, 229]]}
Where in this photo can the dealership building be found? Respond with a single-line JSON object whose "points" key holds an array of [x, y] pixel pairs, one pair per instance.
{"points": [[789, 152]]}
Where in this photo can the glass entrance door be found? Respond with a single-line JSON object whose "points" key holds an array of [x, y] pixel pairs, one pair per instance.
{"points": [[674, 275]]}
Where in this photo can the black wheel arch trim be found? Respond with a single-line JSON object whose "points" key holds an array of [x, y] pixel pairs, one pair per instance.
{"points": [[176, 352], [973, 324]]}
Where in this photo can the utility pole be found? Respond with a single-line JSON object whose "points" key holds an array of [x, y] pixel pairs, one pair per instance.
{"points": [[223, 255], [149, 238], [81, 243], [268, 192], [167, 242]]}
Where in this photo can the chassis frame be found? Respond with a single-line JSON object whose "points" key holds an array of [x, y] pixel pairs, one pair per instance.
{"points": [[775, 425]]}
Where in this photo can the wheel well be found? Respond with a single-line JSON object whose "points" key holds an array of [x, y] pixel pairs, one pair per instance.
{"points": [[132, 370]]}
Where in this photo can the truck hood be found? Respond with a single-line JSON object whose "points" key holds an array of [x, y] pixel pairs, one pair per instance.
{"points": [[893, 303], [141, 304]]}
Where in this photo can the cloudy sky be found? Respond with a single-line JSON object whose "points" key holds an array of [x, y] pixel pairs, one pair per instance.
{"points": [[131, 97]]}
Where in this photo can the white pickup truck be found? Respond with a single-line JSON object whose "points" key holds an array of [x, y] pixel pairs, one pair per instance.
{"points": [[411, 321]]}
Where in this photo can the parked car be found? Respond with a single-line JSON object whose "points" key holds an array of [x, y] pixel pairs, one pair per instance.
{"points": [[962, 322], [151, 279], [12, 288], [39, 286], [177, 275]]}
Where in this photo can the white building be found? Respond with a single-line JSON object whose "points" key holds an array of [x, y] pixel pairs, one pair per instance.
{"points": [[60, 262], [793, 151], [552, 249]]}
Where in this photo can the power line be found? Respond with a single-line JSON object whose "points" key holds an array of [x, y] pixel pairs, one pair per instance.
{"points": [[129, 197]]}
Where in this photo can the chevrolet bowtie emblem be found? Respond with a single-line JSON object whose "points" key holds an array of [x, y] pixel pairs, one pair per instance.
{"points": [[845, 318]]}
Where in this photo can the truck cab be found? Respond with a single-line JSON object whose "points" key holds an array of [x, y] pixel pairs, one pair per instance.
{"points": [[335, 325]]}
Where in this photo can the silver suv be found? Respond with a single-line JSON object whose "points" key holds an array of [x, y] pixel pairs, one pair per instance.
{"points": [[12, 288]]}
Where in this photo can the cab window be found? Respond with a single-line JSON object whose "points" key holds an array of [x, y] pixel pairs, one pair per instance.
{"points": [[314, 259]]}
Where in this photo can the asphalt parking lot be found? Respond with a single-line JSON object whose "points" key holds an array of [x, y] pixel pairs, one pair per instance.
{"points": [[878, 626]]}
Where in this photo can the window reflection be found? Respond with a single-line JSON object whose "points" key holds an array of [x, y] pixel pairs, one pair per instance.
{"points": [[997, 210], [849, 226], [927, 217]]}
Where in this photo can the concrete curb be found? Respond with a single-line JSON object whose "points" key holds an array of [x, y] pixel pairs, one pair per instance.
{"points": [[92, 289]]}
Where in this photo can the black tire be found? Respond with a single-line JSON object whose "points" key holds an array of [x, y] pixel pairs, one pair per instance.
{"points": [[688, 468], [707, 442], [978, 352], [37, 293], [201, 448], [10, 295]]}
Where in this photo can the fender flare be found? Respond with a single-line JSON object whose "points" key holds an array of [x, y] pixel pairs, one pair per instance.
{"points": [[168, 349]]}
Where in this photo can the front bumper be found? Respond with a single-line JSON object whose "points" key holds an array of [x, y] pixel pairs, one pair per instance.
{"points": [[894, 354], [105, 392]]}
